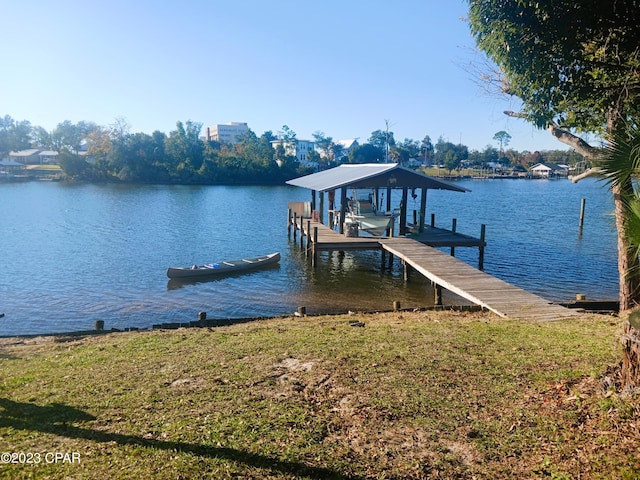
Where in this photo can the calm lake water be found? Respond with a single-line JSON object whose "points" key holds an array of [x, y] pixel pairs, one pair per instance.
{"points": [[74, 254]]}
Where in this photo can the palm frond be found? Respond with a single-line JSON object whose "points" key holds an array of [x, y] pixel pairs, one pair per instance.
{"points": [[621, 161]]}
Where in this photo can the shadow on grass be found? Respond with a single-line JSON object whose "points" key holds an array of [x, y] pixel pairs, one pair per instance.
{"points": [[58, 419]]}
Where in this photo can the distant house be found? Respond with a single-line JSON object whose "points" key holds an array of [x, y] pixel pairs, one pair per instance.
{"points": [[26, 157], [34, 156], [347, 145], [548, 170], [48, 156], [300, 149]]}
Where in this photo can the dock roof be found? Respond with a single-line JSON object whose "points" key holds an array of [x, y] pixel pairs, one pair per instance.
{"points": [[371, 175]]}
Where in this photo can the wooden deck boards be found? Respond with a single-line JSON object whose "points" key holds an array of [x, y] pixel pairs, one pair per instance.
{"points": [[478, 287], [449, 272], [439, 237]]}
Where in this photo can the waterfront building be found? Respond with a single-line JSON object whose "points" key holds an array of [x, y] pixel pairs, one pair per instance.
{"points": [[298, 148], [228, 133]]}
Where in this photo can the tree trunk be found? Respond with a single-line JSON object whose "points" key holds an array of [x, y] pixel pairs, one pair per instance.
{"points": [[630, 371], [629, 290], [628, 276]]}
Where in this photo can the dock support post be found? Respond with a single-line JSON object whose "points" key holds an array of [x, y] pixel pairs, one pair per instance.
{"points": [[433, 220], [454, 225], [402, 227], [343, 208], [308, 235], [289, 223], [388, 199], [295, 225], [481, 248], [423, 209], [437, 289], [314, 248], [406, 268]]}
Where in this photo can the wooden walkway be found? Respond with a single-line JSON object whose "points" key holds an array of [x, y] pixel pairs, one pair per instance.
{"points": [[443, 270], [474, 285]]}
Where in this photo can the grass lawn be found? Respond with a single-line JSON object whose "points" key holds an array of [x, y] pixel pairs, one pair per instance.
{"points": [[407, 395]]}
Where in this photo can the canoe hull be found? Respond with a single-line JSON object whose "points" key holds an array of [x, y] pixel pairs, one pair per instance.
{"points": [[224, 267]]}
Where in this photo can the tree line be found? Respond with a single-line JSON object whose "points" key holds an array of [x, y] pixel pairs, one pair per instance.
{"points": [[89, 152]]}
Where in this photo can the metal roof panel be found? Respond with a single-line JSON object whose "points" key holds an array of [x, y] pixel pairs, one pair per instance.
{"points": [[371, 175]]}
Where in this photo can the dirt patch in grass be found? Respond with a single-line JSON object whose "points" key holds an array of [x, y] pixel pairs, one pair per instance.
{"points": [[404, 395]]}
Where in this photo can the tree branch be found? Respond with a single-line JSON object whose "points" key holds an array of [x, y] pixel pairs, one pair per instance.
{"points": [[590, 172], [577, 143]]}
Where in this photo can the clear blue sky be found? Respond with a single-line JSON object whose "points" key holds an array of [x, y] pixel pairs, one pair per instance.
{"points": [[340, 67]]}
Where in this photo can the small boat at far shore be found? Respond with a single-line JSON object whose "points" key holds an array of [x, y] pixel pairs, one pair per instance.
{"points": [[224, 267]]}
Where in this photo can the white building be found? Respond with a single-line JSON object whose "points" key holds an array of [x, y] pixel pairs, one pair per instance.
{"points": [[300, 150], [548, 170], [347, 145], [228, 133]]}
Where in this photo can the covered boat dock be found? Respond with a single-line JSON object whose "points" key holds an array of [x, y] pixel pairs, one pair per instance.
{"points": [[376, 177], [380, 179]]}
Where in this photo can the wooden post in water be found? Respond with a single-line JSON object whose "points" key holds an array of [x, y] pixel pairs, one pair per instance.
{"points": [[295, 225], [423, 209], [308, 234], [582, 205], [289, 223], [433, 220], [406, 268], [481, 248], [402, 223], [343, 207], [314, 247], [454, 225]]}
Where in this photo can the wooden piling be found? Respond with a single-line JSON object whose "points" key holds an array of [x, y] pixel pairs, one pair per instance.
{"points": [[582, 205], [295, 225], [314, 248], [454, 225], [483, 228]]}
